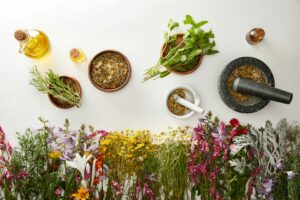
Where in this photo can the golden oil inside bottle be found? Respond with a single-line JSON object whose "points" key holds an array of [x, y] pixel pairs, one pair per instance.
{"points": [[77, 55], [33, 43]]}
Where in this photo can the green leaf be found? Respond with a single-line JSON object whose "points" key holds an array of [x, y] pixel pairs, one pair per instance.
{"points": [[195, 52], [211, 52], [189, 20], [183, 58], [172, 24], [166, 37], [164, 73], [201, 23]]}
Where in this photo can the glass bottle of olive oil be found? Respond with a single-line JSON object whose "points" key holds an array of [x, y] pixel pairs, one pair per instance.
{"points": [[33, 43]]}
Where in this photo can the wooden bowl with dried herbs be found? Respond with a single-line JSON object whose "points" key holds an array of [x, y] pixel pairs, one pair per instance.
{"points": [[247, 68], [109, 71]]}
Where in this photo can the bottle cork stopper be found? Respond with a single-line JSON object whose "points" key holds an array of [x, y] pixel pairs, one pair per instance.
{"points": [[74, 53], [20, 35]]}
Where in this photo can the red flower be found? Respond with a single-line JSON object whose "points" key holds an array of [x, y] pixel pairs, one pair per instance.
{"points": [[96, 181], [234, 122], [243, 131]]}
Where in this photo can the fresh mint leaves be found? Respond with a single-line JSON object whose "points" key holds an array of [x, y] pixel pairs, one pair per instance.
{"points": [[185, 55]]}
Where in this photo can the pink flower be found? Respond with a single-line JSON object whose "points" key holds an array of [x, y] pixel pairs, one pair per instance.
{"points": [[202, 168], [232, 147], [117, 187], [58, 191], [212, 191], [213, 175], [2, 134], [204, 147], [9, 148], [148, 191], [2, 159], [21, 174], [256, 171], [225, 154], [216, 151], [8, 175]]}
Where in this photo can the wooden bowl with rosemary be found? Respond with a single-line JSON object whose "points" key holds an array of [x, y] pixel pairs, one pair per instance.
{"points": [[188, 69], [74, 85], [109, 70]]}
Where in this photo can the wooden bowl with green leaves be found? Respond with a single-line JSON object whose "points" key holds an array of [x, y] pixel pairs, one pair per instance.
{"points": [[182, 53], [71, 83], [63, 91], [184, 69]]}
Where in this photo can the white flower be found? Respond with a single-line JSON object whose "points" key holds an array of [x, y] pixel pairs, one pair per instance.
{"points": [[238, 165], [79, 163], [291, 174]]}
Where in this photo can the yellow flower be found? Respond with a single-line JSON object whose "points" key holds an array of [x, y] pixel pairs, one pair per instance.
{"points": [[81, 194], [55, 154], [139, 146]]}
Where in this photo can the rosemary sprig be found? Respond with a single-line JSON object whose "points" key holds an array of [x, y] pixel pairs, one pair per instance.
{"points": [[54, 85]]}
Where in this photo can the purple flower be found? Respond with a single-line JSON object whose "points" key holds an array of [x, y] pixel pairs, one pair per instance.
{"points": [[291, 174], [268, 184], [280, 164], [220, 132], [266, 189]]}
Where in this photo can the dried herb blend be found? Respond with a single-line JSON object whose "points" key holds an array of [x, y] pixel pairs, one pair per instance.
{"points": [[174, 107], [247, 72], [109, 70]]}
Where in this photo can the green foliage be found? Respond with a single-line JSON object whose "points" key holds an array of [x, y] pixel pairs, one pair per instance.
{"points": [[43, 174], [54, 85], [172, 170], [183, 57]]}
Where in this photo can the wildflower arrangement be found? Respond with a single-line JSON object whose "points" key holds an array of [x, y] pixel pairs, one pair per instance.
{"points": [[173, 147], [128, 156], [209, 160], [213, 161]]}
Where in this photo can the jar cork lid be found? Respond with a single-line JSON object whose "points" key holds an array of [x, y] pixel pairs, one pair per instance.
{"points": [[20, 35], [74, 53]]}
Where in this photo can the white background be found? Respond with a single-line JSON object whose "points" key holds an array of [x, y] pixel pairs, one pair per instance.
{"points": [[136, 27]]}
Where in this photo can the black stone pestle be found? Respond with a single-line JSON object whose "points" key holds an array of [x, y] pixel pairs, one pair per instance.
{"points": [[249, 87]]}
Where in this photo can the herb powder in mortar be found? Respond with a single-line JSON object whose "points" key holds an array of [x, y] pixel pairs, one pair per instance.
{"points": [[109, 70], [173, 106], [247, 72]]}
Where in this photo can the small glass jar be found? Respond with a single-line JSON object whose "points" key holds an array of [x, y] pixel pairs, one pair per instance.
{"points": [[255, 36], [77, 55]]}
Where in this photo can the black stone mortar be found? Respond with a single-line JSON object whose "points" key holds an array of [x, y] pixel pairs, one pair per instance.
{"points": [[254, 104]]}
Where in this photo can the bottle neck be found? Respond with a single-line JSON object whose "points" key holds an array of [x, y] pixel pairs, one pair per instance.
{"points": [[25, 41]]}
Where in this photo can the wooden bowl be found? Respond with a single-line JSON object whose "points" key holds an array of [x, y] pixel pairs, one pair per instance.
{"points": [[75, 86], [109, 89], [165, 51]]}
